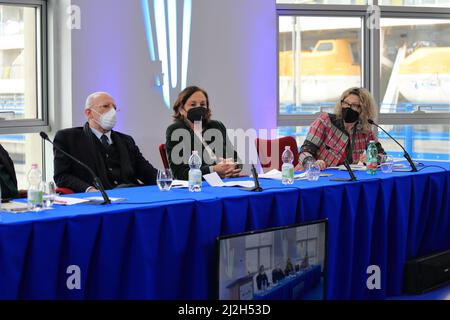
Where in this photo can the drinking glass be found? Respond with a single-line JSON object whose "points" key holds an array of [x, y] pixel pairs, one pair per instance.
{"points": [[312, 171], [387, 163], [164, 179], [49, 195]]}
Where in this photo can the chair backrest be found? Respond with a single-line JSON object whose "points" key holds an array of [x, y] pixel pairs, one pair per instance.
{"points": [[270, 152], [64, 191], [162, 152]]}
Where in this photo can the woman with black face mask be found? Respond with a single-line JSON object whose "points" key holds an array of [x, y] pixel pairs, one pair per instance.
{"points": [[193, 129], [345, 134]]}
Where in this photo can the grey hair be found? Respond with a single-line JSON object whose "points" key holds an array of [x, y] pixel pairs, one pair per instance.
{"points": [[91, 98]]}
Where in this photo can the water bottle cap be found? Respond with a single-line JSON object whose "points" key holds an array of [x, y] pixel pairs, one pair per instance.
{"points": [[195, 152], [34, 166], [287, 148], [372, 141]]}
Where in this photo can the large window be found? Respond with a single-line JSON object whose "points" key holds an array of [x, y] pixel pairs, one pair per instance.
{"points": [[23, 81], [400, 50]]}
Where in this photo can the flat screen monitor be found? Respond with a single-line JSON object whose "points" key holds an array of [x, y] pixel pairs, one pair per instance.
{"points": [[286, 263]]}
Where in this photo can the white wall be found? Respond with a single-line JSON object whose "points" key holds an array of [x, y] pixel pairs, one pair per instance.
{"points": [[233, 56]]}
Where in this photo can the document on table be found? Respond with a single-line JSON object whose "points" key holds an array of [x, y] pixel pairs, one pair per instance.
{"points": [[355, 167], [214, 180], [277, 175], [69, 201], [179, 184], [100, 199], [15, 207]]}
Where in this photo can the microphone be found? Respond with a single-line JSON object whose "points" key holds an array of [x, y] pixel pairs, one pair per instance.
{"points": [[257, 187], [405, 154], [346, 165], [97, 182]]}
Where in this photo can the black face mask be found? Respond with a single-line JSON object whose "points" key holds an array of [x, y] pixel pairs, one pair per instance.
{"points": [[197, 114], [349, 115]]}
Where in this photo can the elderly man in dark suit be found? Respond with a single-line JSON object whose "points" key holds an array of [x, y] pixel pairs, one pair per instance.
{"points": [[8, 180], [114, 156]]}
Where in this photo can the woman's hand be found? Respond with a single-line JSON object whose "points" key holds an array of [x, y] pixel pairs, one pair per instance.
{"points": [[227, 168], [322, 164]]}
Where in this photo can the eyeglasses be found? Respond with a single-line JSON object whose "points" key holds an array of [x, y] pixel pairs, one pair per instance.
{"points": [[351, 105], [107, 107]]}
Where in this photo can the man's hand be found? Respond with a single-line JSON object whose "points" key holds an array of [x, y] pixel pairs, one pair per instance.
{"points": [[91, 189]]}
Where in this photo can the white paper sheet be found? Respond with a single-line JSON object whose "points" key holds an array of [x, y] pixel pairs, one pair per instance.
{"points": [[69, 201], [100, 199], [214, 180], [179, 184], [277, 175]]}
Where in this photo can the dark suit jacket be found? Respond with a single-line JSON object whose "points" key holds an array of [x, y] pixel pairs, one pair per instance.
{"points": [[8, 180], [261, 279], [181, 170], [82, 144]]}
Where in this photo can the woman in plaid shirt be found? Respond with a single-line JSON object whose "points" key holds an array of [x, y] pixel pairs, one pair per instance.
{"points": [[345, 134]]}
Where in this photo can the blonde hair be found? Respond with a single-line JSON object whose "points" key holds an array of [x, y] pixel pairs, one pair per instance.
{"points": [[369, 109]]}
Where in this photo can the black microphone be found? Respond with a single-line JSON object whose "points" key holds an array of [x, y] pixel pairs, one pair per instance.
{"points": [[97, 182], [405, 154], [346, 165], [257, 187]]}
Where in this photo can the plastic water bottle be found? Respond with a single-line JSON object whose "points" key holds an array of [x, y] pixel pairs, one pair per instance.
{"points": [[195, 175], [35, 192], [288, 168], [372, 157]]}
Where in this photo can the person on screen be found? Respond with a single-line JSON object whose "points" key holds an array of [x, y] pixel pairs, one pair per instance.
{"points": [[193, 129], [262, 282], [345, 134], [113, 156], [289, 267], [277, 274], [305, 262]]}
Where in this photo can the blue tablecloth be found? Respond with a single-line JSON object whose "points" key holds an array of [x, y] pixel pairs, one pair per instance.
{"points": [[286, 289], [167, 249]]}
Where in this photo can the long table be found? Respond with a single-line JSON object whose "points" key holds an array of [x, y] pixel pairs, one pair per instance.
{"points": [[292, 287], [162, 245]]}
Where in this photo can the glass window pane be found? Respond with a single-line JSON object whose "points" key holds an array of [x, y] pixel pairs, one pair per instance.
{"points": [[265, 257], [18, 69], [251, 260], [427, 142], [24, 150], [319, 57], [416, 3], [354, 2], [415, 65]]}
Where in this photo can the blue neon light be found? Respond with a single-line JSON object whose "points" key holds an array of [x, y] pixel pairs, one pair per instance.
{"points": [[187, 21], [148, 29], [173, 41], [161, 35]]}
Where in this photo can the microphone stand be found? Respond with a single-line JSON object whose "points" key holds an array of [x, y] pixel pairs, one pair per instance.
{"points": [[350, 172], [405, 154], [97, 183], [257, 187]]}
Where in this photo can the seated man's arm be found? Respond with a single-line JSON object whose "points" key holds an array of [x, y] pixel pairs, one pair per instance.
{"points": [[145, 172], [63, 168]]}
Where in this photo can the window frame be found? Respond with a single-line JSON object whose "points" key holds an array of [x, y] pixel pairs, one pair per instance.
{"points": [[371, 46], [34, 125]]}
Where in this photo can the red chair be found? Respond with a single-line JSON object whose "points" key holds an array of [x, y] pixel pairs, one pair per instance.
{"points": [[270, 152], [64, 191], [162, 152]]}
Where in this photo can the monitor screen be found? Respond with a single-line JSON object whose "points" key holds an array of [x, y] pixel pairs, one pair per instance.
{"points": [[287, 263]]}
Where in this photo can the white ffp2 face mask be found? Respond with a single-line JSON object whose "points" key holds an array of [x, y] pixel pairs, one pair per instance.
{"points": [[107, 120]]}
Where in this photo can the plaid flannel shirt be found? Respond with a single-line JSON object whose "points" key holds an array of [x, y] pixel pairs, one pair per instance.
{"points": [[327, 140]]}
